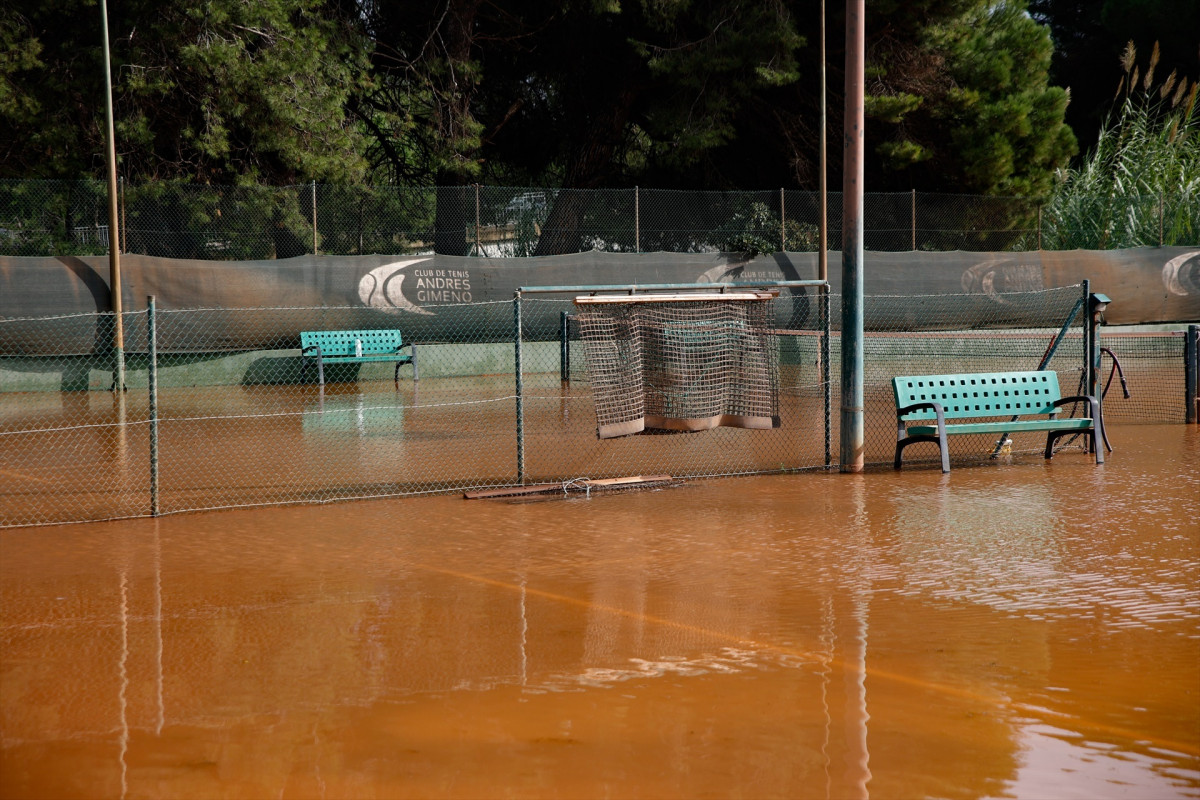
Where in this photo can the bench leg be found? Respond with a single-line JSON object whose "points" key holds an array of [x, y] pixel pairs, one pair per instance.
{"points": [[939, 440], [903, 441], [1054, 436], [410, 360]]}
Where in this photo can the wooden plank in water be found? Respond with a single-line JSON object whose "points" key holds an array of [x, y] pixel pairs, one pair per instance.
{"points": [[601, 483], [513, 491], [543, 488]]}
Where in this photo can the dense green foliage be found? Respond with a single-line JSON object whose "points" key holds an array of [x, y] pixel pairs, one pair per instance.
{"points": [[1140, 185], [556, 92], [601, 93], [216, 91]]}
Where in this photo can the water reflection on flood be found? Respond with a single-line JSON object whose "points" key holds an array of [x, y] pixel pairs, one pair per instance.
{"points": [[1020, 630]]}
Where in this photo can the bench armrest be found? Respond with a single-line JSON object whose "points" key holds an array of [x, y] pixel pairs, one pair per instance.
{"points": [[937, 408], [1093, 406]]}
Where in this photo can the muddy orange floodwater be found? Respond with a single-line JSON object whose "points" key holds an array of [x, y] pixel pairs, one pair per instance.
{"points": [[1027, 630]]}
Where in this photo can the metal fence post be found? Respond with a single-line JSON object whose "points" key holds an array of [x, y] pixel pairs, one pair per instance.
{"points": [[152, 378], [1039, 226], [1191, 373], [914, 219], [826, 383], [122, 237], [637, 221], [517, 369], [564, 352], [1089, 346], [478, 252], [1092, 348], [314, 216], [782, 223]]}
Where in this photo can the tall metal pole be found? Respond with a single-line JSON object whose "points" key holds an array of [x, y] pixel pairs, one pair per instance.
{"points": [[852, 432], [823, 223], [823, 252], [114, 236]]}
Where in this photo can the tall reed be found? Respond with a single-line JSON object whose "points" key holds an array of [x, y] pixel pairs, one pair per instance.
{"points": [[1141, 184]]}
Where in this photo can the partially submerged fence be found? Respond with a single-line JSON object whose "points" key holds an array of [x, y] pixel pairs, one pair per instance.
{"points": [[230, 427], [63, 218]]}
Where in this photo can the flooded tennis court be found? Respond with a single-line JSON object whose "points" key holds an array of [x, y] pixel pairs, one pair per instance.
{"points": [[1022, 629]]}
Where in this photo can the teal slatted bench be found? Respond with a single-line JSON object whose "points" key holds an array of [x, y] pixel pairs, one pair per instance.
{"points": [[924, 403], [355, 347]]}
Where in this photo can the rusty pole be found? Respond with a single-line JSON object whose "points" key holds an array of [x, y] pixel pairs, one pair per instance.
{"points": [[823, 224], [852, 431], [114, 234]]}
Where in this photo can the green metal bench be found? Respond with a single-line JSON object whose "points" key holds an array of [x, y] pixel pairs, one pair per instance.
{"points": [[924, 403], [355, 347]]}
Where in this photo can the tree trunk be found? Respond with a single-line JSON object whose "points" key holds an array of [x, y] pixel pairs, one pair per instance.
{"points": [[588, 167]]}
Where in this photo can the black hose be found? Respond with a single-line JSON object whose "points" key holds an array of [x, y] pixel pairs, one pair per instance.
{"points": [[1116, 368]]}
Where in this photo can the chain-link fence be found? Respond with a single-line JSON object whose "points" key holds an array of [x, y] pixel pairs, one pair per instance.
{"points": [[227, 426], [54, 218]]}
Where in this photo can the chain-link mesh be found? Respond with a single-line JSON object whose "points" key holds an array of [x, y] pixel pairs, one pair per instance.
{"points": [[1149, 366], [246, 427], [67, 451], [168, 219]]}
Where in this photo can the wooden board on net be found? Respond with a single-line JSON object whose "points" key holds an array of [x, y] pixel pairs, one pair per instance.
{"points": [[566, 486]]}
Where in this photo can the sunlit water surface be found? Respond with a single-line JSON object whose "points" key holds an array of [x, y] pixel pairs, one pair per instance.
{"points": [[1026, 629]]}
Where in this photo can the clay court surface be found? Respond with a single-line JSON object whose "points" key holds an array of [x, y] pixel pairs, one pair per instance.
{"points": [[1024, 629]]}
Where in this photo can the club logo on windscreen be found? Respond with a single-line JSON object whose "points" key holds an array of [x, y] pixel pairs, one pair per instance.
{"points": [[997, 277], [401, 285], [1181, 275]]}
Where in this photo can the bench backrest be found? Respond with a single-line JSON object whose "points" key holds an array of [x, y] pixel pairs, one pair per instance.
{"points": [[341, 343], [979, 394]]}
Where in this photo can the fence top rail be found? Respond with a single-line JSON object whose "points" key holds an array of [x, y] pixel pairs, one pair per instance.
{"points": [[673, 298], [633, 288]]}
